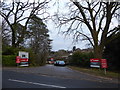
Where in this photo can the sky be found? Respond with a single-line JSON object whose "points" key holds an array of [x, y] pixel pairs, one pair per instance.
{"points": [[59, 41]]}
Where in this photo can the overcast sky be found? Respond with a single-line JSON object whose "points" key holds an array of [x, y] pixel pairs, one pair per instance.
{"points": [[59, 41]]}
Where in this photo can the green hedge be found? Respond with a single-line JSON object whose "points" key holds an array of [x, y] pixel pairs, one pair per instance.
{"points": [[81, 59], [9, 55], [8, 60]]}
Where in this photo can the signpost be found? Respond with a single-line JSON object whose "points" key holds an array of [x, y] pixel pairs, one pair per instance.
{"points": [[22, 59], [17, 60], [99, 63], [95, 63], [104, 64]]}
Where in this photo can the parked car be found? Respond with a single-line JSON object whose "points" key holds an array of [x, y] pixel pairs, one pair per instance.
{"points": [[50, 61], [59, 63]]}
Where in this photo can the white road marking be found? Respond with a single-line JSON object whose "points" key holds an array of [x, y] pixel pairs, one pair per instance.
{"points": [[36, 83]]}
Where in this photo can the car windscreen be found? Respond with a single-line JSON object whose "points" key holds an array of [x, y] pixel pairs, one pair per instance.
{"points": [[61, 62]]}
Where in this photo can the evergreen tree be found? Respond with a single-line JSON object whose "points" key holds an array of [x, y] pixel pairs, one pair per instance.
{"points": [[39, 39], [111, 53]]}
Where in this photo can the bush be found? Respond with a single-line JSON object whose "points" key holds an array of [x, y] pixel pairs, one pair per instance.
{"points": [[8, 51], [111, 53], [36, 59], [81, 59], [8, 60]]}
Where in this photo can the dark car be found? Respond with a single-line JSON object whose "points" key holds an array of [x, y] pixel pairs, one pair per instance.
{"points": [[59, 63]]}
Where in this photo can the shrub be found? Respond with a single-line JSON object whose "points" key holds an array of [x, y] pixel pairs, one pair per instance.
{"points": [[8, 60], [8, 51], [81, 59]]}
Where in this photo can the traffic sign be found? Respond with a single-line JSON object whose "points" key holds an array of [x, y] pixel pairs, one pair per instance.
{"points": [[104, 63]]}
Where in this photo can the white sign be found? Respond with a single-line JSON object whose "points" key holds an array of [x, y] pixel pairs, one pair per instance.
{"points": [[23, 54]]}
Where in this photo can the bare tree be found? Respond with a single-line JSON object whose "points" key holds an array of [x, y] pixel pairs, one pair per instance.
{"points": [[6, 33], [17, 12], [96, 17]]}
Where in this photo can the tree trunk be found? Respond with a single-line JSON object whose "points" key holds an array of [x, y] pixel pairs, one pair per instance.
{"points": [[13, 38], [98, 52], [13, 28]]}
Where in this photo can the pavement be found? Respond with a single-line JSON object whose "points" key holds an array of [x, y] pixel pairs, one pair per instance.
{"points": [[62, 72]]}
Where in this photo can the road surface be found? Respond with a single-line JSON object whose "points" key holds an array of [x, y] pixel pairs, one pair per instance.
{"points": [[51, 77]]}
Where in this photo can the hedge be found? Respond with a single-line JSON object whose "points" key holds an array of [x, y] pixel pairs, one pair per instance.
{"points": [[81, 59], [8, 60]]}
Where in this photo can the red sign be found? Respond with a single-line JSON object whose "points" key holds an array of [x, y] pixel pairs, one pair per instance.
{"points": [[23, 59], [94, 60], [104, 63], [52, 59], [95, 63], [17, 59]]}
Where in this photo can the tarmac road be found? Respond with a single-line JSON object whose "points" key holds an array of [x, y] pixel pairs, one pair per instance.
{"points": [[13, 79], [50, 76]]}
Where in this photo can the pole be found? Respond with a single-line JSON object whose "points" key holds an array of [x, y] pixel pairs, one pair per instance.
{"points": [[105, 70], [17, 64]]}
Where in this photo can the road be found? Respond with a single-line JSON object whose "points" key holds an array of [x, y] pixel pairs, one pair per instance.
{"points": [[44, 77]]}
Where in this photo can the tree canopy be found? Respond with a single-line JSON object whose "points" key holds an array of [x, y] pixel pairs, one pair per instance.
{"points": [[17, 12], [111, 52], [38, 39], [91, 21], [22, 29]]}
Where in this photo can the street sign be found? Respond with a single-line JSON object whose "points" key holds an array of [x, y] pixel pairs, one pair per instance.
{"points": [[17, 59], [23, 54], [104, 63], [99, 63], [23, 58], [95, 63]]}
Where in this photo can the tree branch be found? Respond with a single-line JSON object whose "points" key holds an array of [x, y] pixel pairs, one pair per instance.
{"points": [[88, 38]]}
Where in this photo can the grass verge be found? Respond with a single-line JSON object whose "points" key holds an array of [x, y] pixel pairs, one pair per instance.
{"points": [[97, 72]]}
